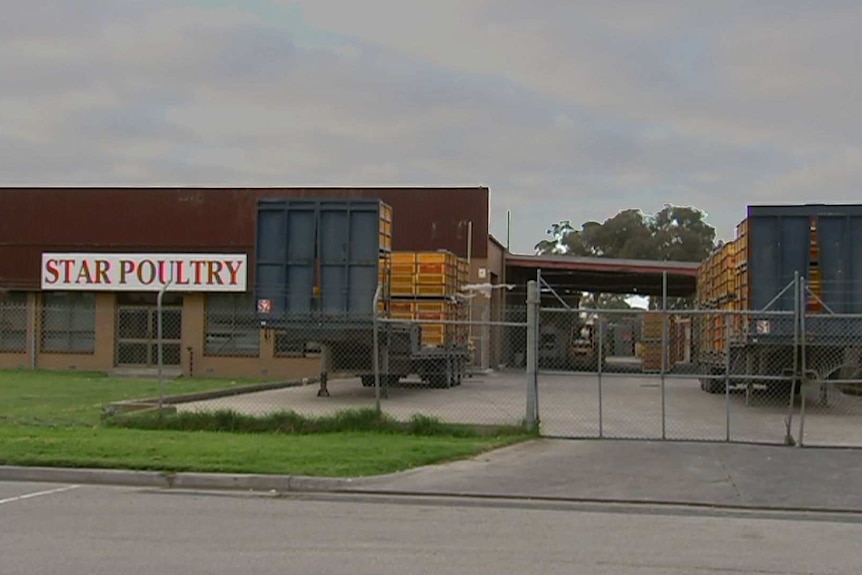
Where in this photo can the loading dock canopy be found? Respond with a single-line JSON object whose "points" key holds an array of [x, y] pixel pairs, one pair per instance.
{"points": [[605, 275]]}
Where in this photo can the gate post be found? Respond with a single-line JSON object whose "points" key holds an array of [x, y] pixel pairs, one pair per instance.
{"points": [[533, 301]]}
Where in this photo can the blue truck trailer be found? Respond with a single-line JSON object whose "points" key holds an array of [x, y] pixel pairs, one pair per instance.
{"points": [[801, 267], [322, 276]]}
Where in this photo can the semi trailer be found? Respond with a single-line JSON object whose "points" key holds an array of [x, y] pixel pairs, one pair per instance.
{"points": [[780, 289], [323, 276]]}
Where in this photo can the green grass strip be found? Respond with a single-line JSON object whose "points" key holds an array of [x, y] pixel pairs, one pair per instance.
{"points": [[325, 455]]}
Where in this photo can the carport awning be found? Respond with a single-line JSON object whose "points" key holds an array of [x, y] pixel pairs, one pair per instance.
{"points": [[606, 275]]}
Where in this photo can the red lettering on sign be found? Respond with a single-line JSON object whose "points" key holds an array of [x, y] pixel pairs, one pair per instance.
{"points": [[126, 267], [198, 265], [67, 269], [102, 267], [180, 273], [146, 272], [233, 269], [84, 276], [214, 273], [53, 272]]}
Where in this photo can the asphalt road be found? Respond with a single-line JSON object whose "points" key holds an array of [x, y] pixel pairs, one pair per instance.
{"points": [[92, 530], [727, 475]]}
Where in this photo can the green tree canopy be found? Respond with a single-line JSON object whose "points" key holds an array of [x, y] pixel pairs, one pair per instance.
{"points": [[673, 234]]}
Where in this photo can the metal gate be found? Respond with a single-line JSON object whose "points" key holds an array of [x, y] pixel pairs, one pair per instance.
{"points": [[697, 374]]}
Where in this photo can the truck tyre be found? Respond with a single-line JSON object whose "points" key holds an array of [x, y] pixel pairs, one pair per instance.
{"points": [[438, 380], [714, 386]]}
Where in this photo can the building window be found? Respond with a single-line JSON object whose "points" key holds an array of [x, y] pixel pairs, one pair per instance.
{"points": [[232, 328], [68, 322], [13, 322], [290, 347]]}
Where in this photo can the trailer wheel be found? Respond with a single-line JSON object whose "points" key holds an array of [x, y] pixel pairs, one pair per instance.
{"points": [[781, 389], [438, 380], [367, 381], [393, 380], [713, 386]]}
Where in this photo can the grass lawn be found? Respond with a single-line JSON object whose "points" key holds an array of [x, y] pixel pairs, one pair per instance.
{"points": [[53, 419], [77, 398], [327, 454]]}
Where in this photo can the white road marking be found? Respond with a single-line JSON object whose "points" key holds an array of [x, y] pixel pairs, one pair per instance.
{"points": [[38, 494]]}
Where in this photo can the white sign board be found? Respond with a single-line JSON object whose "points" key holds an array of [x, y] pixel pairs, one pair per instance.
{"points": [[144, 272]]}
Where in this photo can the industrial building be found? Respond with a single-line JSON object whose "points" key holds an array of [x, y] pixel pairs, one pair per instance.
{"points": [[78, 266]]}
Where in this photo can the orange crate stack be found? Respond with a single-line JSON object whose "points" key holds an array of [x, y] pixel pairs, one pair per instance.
{"points": [[403, 264], [463, 272], [742, 236], [385, 228], [428, 282]]}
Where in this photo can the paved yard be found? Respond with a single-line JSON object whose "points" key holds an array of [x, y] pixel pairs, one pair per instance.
{"points": [[632, 407]]}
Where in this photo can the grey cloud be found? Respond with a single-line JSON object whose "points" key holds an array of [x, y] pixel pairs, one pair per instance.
{"points": [[573, 112]]}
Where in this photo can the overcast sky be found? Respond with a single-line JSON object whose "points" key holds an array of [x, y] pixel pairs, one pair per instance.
{"points": [[565, 109]]}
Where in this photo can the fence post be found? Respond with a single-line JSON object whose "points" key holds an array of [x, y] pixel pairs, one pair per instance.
{"points": [[486, 335], [159, 331], [376, 348], [33, 327], [665, 346], [532, 355], [803, 367], [601, 352], [728, 328]]}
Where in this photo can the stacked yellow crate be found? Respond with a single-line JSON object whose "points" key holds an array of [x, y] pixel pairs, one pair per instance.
{"points": [[385, 256], [723, 285], [741, 322], [402, 278], [652, 333], [385, 228], [463, 272], [436, 274], [704, 324], [384, 282], [424, 285]]}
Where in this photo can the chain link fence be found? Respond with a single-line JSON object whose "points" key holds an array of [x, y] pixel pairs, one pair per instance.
{"points": [[701, 375], [772, 377]]}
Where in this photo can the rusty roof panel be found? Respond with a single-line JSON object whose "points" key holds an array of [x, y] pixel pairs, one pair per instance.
{"points": [[193, 219]]}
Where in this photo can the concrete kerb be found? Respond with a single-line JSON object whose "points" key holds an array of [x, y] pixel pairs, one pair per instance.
{"points": [[153, 402], [178, 480], [347, 486]]}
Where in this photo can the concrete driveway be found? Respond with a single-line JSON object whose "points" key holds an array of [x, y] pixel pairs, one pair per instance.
{"points": [[626, 407]]}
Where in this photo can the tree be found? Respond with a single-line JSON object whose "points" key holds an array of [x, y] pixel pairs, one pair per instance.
{"points": [[556, 245], [674, 233]]}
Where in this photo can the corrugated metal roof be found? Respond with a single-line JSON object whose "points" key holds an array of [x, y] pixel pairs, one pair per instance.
{"points": [[208, 219], [573, 263]]}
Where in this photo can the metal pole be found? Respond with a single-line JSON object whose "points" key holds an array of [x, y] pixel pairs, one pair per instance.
{"points": [[781, 293], [33, 307], [469, 242], [601, 337], [803, 361], [797, 309], [508, 229], [728, 322], [665, 344], [376, 351], [471, 330], [532, 359], [486, 336], [159, 329]]}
